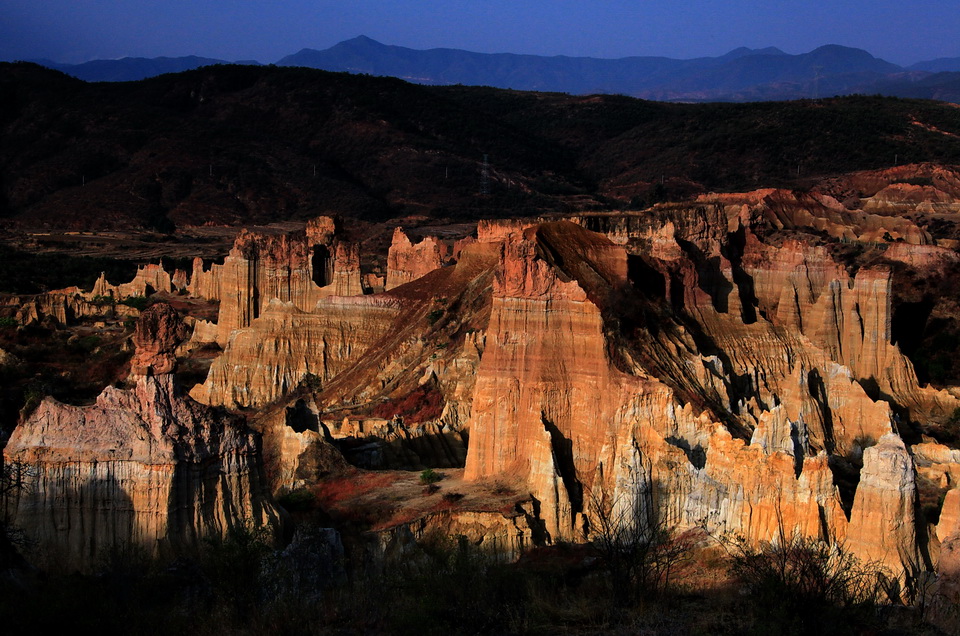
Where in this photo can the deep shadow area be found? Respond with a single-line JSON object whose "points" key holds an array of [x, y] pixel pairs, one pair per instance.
{"points": [[645, 278], [563, 455], [321, 263], [908, 325]]}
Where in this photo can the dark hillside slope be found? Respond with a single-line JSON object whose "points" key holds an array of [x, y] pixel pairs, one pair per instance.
{"points": [[235, 144], [246, 144], [624, 145]]}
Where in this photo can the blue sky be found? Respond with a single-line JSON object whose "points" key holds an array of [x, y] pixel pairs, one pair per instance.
{"points": [[79, 30]]}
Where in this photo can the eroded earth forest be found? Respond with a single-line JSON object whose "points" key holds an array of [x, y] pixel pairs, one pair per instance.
{"points": [[285, 351]]}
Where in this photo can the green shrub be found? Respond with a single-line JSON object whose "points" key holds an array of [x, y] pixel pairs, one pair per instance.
{"points": [[434, 316], [8, 321], [233, 565], [916, 181], [298, 500], [311, 382], [88, 344], [430, 476], [33, 394], [103, 301]]}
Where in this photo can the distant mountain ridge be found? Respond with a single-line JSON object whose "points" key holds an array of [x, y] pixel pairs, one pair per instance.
{"points": [[131, 69], [741, 75], [651, 77]]}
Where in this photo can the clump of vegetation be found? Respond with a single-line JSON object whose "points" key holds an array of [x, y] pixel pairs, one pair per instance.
{"points": [[85, 344], [101, 300], [803, 585], [430, 476], [33, 393], [639, 555], [8, 321], [311, 382], [434, 316], [916, 181]]}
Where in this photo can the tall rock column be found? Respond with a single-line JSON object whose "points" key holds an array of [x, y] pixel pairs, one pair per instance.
{"points": [[883, 520], [542, 403]]}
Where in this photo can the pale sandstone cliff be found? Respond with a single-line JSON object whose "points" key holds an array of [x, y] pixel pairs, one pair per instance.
{"points": [[149, 279], [62, 306], [67, 306], [270, 357], [144, 466]]}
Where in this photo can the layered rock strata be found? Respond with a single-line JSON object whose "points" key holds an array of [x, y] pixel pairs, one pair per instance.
{"points": [[271, 356], [144, 466], [149, 279], [299, 268], [560, 400]]}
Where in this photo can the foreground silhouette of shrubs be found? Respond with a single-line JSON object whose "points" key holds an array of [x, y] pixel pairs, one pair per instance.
{"points": [[802, 585], [441, 585]]}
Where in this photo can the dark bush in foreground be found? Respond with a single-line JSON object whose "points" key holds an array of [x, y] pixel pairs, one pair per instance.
{"points": [[806, 586]]}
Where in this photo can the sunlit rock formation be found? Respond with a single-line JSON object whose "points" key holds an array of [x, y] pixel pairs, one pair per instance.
{"points": [[149, 279], [716, 364], [723, 412], [299, 268], [407, 261], [270, 357]]}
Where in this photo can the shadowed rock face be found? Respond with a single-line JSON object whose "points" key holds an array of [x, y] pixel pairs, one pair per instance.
{"points": [[158, 333], [144, 466]]}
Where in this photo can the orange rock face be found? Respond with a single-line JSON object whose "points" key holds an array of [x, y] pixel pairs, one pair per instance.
{"points": [[407, 261], [158, 333], [727, 420], [149, 279], [269, 358]]}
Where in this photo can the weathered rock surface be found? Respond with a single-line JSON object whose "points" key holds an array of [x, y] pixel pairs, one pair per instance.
{"points": [[144, 466], [296, 450], [270, 357], [882, 522], [158, 333], [560, 400], [299, 268], [407, 261], [62, 306], [695, 364], [149, 279], [790, 210]]}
